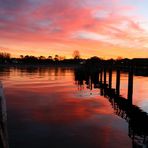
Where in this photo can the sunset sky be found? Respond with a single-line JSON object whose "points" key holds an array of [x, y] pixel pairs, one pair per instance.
{"points": [[104, 28]]}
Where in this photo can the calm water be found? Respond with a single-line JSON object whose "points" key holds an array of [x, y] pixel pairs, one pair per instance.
{"points": [[48, 109]]}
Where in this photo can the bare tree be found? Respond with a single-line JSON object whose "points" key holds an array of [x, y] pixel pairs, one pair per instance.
{"points": [[5, 55], [119, 58], [76, 54]]}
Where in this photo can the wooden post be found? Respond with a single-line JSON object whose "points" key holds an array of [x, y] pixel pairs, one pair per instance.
{"points": [[101, 91], [3, 120], [110, 78], [130, 85], [118, 82], [101, 76], [105, 76], [90, 83]]}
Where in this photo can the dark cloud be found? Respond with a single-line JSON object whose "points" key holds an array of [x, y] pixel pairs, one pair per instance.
{"points": [[12, 4]]}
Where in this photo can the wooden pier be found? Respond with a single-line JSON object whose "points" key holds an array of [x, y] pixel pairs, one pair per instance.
{"points": [[137, 119], [118, 79], [3, 120]]}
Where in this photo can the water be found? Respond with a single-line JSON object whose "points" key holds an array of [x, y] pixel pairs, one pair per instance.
{"points": [[48, 109]]}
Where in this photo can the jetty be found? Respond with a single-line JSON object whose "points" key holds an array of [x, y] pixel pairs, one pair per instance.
{"points": [[101, 78]]}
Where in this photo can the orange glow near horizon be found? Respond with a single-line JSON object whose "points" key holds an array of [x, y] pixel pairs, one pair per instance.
{"points": [[104, 29]]}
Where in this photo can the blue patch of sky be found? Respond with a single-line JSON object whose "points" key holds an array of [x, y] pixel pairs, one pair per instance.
{"points": [[141, 6]]}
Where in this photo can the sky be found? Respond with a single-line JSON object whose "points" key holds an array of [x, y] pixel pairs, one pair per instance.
{"points": [[103, 28]]}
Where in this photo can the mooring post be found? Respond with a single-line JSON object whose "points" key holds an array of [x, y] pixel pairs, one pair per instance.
{"points": [[130, 85], [118, 82], [110, 78]]}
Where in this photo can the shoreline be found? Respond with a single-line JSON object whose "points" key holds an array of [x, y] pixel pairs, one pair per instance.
{"points": [[40, 65]]}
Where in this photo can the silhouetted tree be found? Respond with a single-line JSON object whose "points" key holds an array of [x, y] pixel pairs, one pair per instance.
{"points": [[42, 58], [4, 57], [50, 57], [119, 58], [61, 58], [26, 57], [76, 54], [56, 58], [30, 59], [21, 56]]}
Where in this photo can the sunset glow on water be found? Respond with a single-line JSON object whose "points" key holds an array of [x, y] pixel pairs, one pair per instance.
{"points": [[47, 108], [73, 73]]}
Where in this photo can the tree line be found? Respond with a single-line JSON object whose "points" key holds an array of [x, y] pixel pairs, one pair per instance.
{"points": [[5, 58]]}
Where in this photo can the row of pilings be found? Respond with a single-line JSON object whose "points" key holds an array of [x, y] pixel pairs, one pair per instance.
{"points": [[103, 80], [137, 119], [102, 77]]}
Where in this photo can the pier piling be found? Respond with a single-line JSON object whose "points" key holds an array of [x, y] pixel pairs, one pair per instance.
{"points": [[118, 82], [101, 76], [110, 78], [104, 76], [130, 85]]}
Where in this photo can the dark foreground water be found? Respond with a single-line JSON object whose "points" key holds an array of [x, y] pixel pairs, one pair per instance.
{"points": [[47, 108]]}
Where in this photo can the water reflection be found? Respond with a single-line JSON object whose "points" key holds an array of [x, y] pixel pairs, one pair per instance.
{"points": [[61, 107], [136, 118], [3, 120]]}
